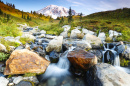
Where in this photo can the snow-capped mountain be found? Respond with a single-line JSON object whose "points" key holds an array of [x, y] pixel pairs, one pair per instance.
{"points": [[55, 11]]}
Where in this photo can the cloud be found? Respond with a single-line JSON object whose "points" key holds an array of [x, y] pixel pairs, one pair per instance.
{"points": [[75, 3]]}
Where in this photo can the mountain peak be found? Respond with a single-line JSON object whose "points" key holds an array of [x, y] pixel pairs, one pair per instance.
{"points": [[55, 11]]}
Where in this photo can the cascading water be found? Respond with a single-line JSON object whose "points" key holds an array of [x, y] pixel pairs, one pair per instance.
{"points": [[58, 69], [113, 59]]}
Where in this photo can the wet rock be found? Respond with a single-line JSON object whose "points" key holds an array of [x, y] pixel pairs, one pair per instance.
{"points": [[25, 61], [2, 47], [20, 47], [3, 81], [25, 83], [92, 39], [55, 44], [17, 79], [43, 32], [11, 84], [110, 76], [41, 52], [97, 53], [36, 33], [54, 57], [126, 53], [34, 46], [82, 59], [31, 78]]}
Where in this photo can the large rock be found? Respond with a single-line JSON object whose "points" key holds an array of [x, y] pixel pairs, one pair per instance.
{"points": [[29, 36], [2, 47], [66, 28], [25, 61], [74, 33], [102, 36], [82, 59], [55, 44], [3, 81], [92, 39], [110, 76]]}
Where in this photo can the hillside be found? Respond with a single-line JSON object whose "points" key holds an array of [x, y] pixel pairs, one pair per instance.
{"points": [[16, 15], [123, 13]]}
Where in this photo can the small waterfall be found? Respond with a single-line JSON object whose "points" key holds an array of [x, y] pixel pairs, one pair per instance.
{"points": [[58, 69], [115, 59]]}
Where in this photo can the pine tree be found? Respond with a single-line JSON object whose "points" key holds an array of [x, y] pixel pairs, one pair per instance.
{"points": [[22, 14], [81, 16], [31, 12], [61, 21], [28, 17], [1, 12], [13, 6], [70, 16], [8, 17]]}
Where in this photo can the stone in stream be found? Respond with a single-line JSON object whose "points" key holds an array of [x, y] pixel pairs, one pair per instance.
{"points": [[54, 57], [110, 76], [74, 33], [25, 61], [25, 83], [82, 59], [3, 81], [55, 44]]}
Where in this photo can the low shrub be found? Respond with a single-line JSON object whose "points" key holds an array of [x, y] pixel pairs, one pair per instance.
{"points": [[3, 56]]}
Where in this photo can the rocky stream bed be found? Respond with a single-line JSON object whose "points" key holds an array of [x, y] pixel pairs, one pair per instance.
{"points": [[83, 59]]}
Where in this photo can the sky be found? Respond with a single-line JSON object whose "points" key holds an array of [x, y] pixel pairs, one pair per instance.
{"points": [[85, 6]]}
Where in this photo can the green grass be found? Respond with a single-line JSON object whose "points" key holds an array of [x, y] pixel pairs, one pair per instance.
{"points": [[25, 40], [7, 44]]}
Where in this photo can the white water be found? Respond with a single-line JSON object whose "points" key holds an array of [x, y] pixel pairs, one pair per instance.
{"points": [[59, 69], [116, 57]]}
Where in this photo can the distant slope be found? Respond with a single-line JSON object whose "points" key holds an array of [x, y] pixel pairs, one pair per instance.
{"points": [[18, 14], [55, 11], [114, 14]]}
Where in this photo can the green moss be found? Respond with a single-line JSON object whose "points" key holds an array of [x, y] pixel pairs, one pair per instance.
{"points": [[29, 74], [108, 39], [124, 62], [3, 56]]}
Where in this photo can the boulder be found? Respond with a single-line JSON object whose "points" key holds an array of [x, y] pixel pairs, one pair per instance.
{"points": [[55, 44], [110, 76], [43, 32], [28, 36], [2, 47], [92, 39], [3, 81], [17, 79], [113, 33], [85, 31], [102, 36], [82, 59], [25, 61], [74, 33]]}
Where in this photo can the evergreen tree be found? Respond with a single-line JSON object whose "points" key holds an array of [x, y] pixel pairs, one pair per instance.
{"points": [[8, 17], [24, 17], [28, 17], [22, 14], [40, 15], [1, 12], [61, 21], [81, 16], [13, 6], [31, 12], [70, 16]]}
